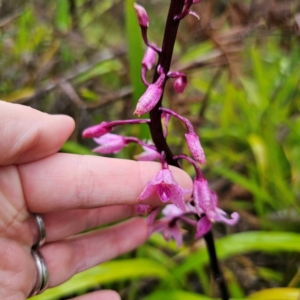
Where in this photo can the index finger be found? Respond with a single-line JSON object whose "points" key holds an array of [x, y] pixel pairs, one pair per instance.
{"points": [[68, 181]]}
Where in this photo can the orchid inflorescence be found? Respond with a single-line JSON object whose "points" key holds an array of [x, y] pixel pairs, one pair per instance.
{"points": [[201, 210], [204, 203]]}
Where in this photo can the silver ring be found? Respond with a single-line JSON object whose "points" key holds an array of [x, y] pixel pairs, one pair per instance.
{"points": [[42, 231], [42, 273]]}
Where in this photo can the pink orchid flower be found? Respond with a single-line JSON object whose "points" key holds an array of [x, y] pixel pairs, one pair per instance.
{"points": [[166, 187], [110, 143], [149, 154]]}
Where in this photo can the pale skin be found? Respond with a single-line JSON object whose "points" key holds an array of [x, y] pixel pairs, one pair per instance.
{"points": [[72, 193]]}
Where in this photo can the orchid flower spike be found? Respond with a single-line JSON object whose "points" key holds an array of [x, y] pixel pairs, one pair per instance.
{"points": [[150, 98]]}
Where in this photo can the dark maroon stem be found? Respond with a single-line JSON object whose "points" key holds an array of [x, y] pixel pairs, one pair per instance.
{"points": [[176, 7], [217, 273]]}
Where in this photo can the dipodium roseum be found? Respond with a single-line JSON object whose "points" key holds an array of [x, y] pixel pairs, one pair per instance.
{"points": [[166, 187]]}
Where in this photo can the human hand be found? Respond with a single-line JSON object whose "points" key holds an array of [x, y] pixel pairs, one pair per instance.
{"points": [[72, 193]]}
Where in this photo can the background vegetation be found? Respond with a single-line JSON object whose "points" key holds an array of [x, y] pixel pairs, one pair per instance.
{"points": [[83, 58]]}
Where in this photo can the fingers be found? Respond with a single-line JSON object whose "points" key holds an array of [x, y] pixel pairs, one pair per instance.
{"points": [[66, 181], [100, 295], [66, 258], [29, 134], [60, 225]]}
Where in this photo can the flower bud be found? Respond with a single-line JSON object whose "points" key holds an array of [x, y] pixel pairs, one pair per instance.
{"points": [[142, 15], [150, 98], [110, 143], [180, 84], [194, 145], [97, 130], [149, 154]]}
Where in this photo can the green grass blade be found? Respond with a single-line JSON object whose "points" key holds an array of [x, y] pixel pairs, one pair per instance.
{"points": [[111, 271], [269, 242]]}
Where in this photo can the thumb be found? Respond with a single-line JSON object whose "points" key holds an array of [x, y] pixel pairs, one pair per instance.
{"points": [[27, 134], [99, 295]]}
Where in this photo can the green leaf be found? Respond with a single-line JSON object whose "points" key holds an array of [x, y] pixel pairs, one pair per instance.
{"points": [[135, 53], [135, 50], [237, 178], [108, 272], [276, 294], [269, 242], [175, 295], [62, 16], [17, 95]]}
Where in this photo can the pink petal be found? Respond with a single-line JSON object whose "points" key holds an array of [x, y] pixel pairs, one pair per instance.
{"points": [[147, 192], [107, 138], [220, 217], [180, 84], [171, 211], [110, 143], [195, 147], [165, 118], [109, 148], [96, 130], [148, 155], [177, 198], [152, 216], [142, 15], [174, 232], [177, 235], [149, 58], [150, 98], [193, 13], [164, 192], [202, 196], [143, 209], [203, 226]]}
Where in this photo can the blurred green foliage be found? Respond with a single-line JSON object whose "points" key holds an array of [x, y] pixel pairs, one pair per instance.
{"points": [[243, 97]]}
